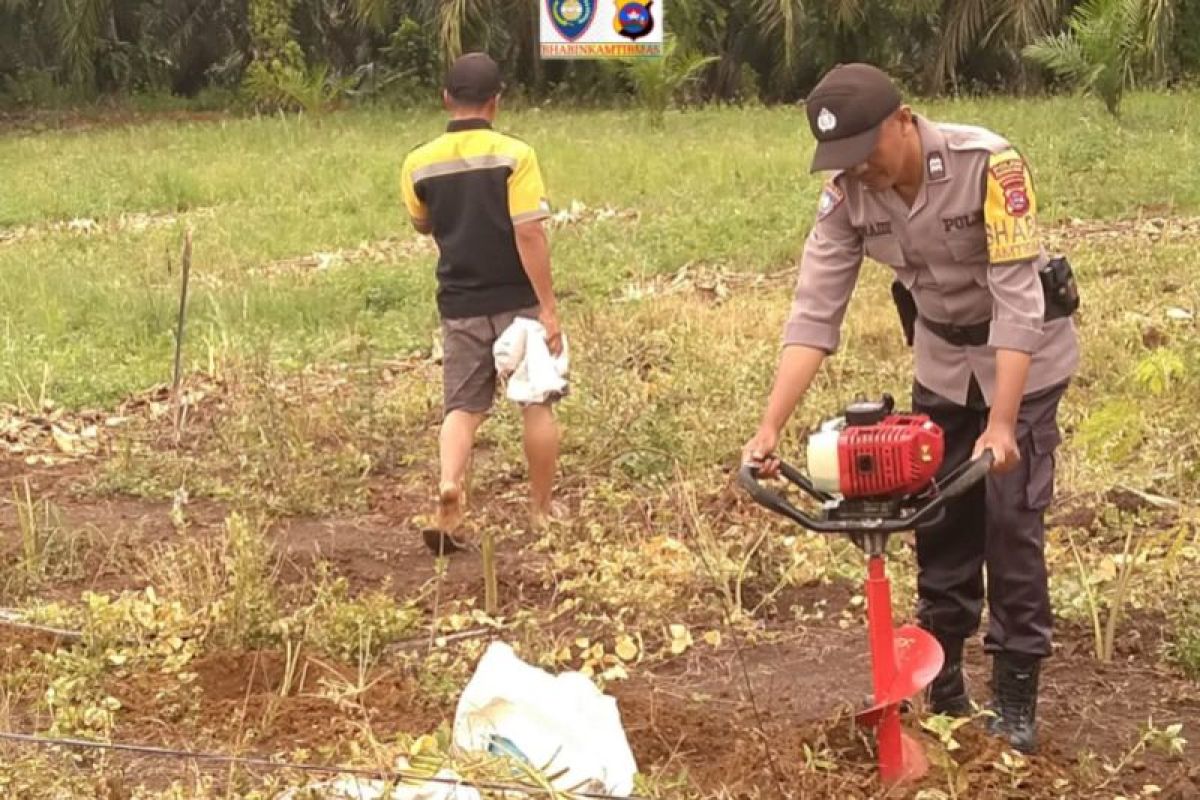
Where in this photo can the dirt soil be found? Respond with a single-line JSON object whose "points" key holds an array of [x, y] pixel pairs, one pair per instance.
{"points": [[692, 717]]}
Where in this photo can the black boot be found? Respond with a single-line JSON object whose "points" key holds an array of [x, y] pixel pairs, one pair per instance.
{"points": [[1014, 699], [948, 692]]}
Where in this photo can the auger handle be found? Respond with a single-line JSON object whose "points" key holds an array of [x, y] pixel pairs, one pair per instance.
{"points": [[954, 485], [773, 501]]}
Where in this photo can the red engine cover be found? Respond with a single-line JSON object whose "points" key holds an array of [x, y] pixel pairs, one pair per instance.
{"points": [[898, 456]]}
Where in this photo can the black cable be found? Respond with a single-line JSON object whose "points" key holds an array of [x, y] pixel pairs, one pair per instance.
{"points": [[377, 774]]}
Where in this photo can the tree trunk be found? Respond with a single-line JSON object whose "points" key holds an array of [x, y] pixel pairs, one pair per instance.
{"points": [[535, 51]]}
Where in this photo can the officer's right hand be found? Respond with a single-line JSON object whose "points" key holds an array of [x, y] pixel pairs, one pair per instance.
{"points": [[1002, 441], [760, 452]]}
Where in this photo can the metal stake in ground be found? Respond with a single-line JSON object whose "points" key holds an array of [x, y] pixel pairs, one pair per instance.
{"points": [[491, 598], [186, 272]]}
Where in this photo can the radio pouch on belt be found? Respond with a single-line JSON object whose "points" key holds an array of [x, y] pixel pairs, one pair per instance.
{"points": [[1059, 287]]}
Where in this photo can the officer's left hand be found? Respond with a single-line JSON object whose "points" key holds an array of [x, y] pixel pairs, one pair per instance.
{"points": [[1003, 444]]}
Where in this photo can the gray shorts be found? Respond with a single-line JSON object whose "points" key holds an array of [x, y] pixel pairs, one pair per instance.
{"points": [[468, 367]]}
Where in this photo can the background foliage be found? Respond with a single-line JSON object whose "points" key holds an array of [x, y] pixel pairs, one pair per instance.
{"points": [[311, 53]]}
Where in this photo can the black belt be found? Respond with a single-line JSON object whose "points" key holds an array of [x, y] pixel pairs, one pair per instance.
{"points": [[976, 334]]}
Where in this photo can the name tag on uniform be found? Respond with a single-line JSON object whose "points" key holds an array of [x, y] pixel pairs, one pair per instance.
{"points": [[962, 221], [873, 229]]}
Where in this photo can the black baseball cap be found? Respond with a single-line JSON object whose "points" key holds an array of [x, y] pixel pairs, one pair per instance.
{"points": [[474, 78], [845, 111]]}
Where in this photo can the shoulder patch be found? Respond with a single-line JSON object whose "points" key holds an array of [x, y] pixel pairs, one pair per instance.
{"points": [[831, 198], [1010, 209]]}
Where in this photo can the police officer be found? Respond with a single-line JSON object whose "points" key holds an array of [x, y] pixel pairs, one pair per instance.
{"points": [[951, 209]]}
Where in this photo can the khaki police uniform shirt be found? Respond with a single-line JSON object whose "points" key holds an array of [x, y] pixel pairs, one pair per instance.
{"points": [[967, 249]]}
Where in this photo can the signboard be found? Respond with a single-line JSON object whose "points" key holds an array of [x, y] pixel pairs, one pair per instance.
{"points": [[601, 28]]}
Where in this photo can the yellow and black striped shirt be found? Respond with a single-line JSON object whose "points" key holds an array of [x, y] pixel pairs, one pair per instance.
{"points": [[472, 185]]}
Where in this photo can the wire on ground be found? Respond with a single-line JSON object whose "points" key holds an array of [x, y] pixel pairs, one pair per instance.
{"points": [[265, 763]]}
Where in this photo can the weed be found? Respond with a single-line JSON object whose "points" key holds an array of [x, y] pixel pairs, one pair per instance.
{"points": [[944, 727], [1184, 650], [1160, 371], [49, 549], [1014, 767], [1168, 740], [674, 305], [355, 629], [250, 606], [194, 569], [1115, 572], [75, 697], [1112, 431]]}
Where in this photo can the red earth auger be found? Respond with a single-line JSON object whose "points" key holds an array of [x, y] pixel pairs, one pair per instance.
{"points": [[873, 472]]}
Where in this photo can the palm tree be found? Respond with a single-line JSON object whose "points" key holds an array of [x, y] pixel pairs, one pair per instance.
{"points": [[459, 23], [82, 26], [781, 21], [659, 81], [1159, 28], [1005, 24], [1107, 42]]}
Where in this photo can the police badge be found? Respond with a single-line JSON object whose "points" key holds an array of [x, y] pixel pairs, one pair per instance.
{"points": [[634, 20]]}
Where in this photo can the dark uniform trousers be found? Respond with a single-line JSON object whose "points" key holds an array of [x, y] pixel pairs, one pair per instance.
{"points": [[998, 525]]}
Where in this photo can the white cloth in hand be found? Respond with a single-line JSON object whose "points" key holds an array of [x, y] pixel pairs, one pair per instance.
{"points": [[523, 357]]}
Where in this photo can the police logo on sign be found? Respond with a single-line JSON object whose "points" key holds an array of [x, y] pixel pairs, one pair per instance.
{"points": [[634, 20], [572, 18]]}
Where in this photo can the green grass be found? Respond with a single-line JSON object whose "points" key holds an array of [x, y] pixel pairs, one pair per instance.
{"points": [[666, 387], [92, 316]]}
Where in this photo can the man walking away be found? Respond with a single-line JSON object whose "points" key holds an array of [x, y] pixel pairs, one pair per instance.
{"points": [[480, 194]]}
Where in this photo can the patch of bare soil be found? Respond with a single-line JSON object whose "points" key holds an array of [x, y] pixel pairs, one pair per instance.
{"points": [[19, 646], [94, 540], [721, 719], [759, 719], [380, 547], [383, 549], [253, 699], [694, 717]]}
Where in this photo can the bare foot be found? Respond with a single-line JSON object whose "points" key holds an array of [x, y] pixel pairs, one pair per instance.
{"points": [[441, 538], [541, 517], [450, 507]]}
